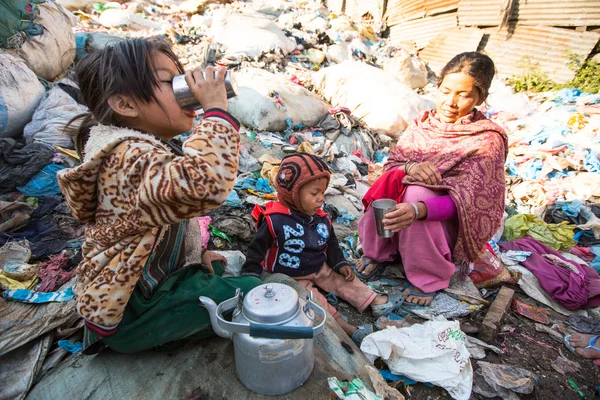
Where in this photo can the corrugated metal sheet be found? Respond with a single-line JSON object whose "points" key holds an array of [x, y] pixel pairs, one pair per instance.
{"points": [[442, 48], [399, 11], [548, 47], [434, 7], [335, 6], [421, 31], [531, 12], [393, 12]]}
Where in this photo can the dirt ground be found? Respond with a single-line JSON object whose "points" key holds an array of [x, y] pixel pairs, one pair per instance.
{"points": [[519, 352]]}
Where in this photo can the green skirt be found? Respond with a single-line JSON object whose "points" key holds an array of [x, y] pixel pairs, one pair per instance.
{"points": [[174, 313]]}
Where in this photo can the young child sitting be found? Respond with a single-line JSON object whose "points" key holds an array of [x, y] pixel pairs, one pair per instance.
{"points": [[295, 237]]}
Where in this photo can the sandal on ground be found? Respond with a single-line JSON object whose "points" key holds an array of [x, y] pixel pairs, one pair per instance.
{"points": [[567, 341], [379, 267], [593, 339], [395, 300], [362, 332]]}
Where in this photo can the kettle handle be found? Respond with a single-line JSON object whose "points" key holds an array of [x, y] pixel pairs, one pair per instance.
{"points": [[318, 310], [281, 331]]}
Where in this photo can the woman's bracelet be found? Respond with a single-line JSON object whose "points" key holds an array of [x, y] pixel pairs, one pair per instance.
{"points": [[409, 164], [416, 211]]}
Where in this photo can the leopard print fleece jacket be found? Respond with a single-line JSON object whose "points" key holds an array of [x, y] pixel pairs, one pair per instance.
{"points": [[128, 188]]}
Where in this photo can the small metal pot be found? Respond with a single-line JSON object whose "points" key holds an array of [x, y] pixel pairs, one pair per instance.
{"points": [[272, 333], [186, 99]]}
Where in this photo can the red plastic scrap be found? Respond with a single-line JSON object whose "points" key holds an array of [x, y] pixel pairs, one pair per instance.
{"points": [[534, 313]]}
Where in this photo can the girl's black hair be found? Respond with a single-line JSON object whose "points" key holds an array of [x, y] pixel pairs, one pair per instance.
{"points": [[122, 68], [477, 65]]}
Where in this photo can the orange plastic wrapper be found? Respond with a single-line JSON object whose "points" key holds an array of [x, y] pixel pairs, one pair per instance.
{"points": [[489, 271]]}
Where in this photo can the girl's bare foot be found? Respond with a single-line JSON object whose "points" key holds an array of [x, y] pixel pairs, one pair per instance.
{"points": [[580, 341]]}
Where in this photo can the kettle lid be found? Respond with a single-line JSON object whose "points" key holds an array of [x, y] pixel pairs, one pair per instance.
{"points": [[271, 303]]}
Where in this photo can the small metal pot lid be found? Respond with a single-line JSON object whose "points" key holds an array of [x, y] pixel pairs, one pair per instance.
{"points": [[271, 303]]}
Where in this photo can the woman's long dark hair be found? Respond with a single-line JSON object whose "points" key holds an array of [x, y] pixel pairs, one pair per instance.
{"points": [[122, 68]]}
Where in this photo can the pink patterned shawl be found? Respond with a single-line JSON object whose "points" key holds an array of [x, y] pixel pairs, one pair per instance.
{"points": [[470, 154]]}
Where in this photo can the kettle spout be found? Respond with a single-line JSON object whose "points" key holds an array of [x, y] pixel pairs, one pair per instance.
{"points": [[211, 307]]}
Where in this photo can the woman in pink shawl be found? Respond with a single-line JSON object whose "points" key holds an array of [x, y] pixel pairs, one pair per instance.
{"points": [[450, 162]]}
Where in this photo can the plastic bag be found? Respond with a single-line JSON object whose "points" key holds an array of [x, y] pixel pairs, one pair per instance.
{"points": [[489, 271], [266, 100], [499, 380], [20, 93], [44, 183], [433, 352], [407, 69], [51, 118], [51, 53], [246, 35], [376, 97]]}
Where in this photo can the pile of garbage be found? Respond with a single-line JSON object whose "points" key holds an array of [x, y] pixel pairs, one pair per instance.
{"points": [[310, 81]]}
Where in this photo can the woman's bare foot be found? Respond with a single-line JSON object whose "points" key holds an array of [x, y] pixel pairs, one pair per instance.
{"points": [[580, 341], [365, 266], [414, 295]]}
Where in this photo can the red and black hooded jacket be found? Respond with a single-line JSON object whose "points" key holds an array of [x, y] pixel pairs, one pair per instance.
{"points": [[291, 243]]}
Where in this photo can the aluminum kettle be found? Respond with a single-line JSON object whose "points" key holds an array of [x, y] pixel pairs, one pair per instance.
{"points": [[272, 332]]}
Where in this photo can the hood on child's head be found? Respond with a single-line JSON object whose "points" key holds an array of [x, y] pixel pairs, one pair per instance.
{"points": [[296, 171]]}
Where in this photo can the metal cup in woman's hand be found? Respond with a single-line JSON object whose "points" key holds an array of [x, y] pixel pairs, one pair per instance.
{"points": [[380, 208], [186, 99]]}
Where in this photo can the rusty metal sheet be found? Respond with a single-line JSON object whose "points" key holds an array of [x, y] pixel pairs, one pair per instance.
{"points": [[531, 12], [399, 11], [442, 48], [421, 31], [547, 47], [435, 7]]}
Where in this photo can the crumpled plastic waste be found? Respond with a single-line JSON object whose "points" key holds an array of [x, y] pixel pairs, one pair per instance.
{"points": [[270, 167], [69, 346], [445, 306], [15, 272], [584, 324], [500, 380], [354, 390], [557, 236], [35, 297], [514, 257], [434, 351], [43, 183], [13, 215]]}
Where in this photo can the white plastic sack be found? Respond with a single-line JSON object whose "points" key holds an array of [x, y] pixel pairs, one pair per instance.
{"points": [[384, 103], [433, 352], [75, 5], [408, 69], [51, 117], [51, 53], [246, 35], [503, 98], [338, 53], [115, 17], [20, 93], [257, 108]]}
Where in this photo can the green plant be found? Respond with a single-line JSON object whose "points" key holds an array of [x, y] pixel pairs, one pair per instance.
{"points": [[587, 77], [533, 80]]}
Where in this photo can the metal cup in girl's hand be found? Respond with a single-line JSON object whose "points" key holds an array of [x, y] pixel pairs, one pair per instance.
{"points": [[186, 99]]}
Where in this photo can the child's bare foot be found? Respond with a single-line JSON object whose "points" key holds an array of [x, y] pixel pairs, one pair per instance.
{"points": [[582, 346]]}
